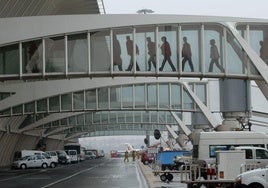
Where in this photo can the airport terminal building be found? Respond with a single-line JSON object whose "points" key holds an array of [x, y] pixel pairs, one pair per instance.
{"points": [[69, 70]]}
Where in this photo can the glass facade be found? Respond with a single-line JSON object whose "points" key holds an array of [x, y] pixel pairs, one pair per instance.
{"points": [[176, 49]]}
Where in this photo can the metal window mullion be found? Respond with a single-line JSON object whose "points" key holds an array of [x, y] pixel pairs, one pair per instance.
{"points": [[157, 95], [112, 50], [72, 102], [133, 96], [169, 93], [109, 98], [202, 51], [97, 99], [179, 49], [156, 49], [134, 49], [248, 40], [20, 60], [44, 57], [88, 52], [225, 65], [84, 93], [66, 54]]}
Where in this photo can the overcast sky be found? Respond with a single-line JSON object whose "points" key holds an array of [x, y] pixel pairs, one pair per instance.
{"points": [[232, 8]]}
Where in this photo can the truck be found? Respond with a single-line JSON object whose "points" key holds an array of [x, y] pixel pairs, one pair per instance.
{"points": [[257, 178], [228, 165]]}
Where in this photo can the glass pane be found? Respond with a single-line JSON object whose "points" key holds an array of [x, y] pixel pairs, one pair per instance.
{"points": [[100, 51], [115, 97], [213, 42], [54, 104], [29, 107], [77, 53], [152, 96], [78, 100], [121, 35], [9, 59], [236, 56], [32, 57], [139, 96], [188, 103], [91, 99], [66, 102], [17, 109], [175, 96], [190, 52], [168, 48], [103, 97], [55, 54], [42, 105], [145, 40], [200, 91], [163, 96], [127, 92]]}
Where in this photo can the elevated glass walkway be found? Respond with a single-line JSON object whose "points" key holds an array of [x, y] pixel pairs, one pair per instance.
{"points": [[111, 75]]}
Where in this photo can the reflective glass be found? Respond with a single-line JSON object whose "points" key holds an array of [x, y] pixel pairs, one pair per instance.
{"points": [[100, 52], [145, 40], [213, 52], [188, 103], [103, 98], [115, 97], [78, 100], [54, 104], [167, 51], [127, 97], [139, 96], [236, 56], [55, 54], [164, 96], [66, 102], [42, 105], [175, 96], [32, 57], [77, 53], [29, 107], [190, 48], [17, 109], [151, 96], [9, 59], [91, 99]]}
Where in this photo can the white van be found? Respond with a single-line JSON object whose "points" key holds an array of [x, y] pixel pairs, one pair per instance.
{"points": [[73, 156], [23, 153], [255, 155], [205, 144]]}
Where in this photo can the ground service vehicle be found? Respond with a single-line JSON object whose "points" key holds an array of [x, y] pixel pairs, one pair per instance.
{"points": [[73, 156], [257, 178], [63, 157], [222, 174], [74, 146], [32, 161], [205, 144]]}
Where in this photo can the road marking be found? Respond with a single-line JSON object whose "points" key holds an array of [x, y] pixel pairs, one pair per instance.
{"points": [[68, 177]]}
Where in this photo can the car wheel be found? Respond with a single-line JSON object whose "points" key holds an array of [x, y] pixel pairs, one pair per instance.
{"points": [[255, 185], [23, 166], [52, 165], [44, 165], [146, 162]]}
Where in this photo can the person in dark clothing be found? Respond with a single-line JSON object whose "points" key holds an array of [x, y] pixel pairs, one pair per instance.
{"points": [[166, 52]]}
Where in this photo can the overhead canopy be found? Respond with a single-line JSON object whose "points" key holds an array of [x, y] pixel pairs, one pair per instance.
{"points": [[19, 8]]}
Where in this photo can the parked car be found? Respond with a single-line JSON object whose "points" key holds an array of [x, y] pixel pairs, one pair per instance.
{"points": [[147, 158], [53, 155], [32, 161], [90, 155], [63, 157], [257, 178]]}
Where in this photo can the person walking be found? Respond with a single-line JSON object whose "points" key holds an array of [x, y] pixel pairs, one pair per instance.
{"points": [[129, 45], [126, 156], [151, 52], [166, 52], [117, 53], [214, 55], [187, 54]]}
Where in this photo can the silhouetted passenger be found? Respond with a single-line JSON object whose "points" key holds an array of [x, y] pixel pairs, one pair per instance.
{"points": [[129, 45], [33, 63], [187, 54], [166, 52], [151, 52], [214, 55], [117, 53]]}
